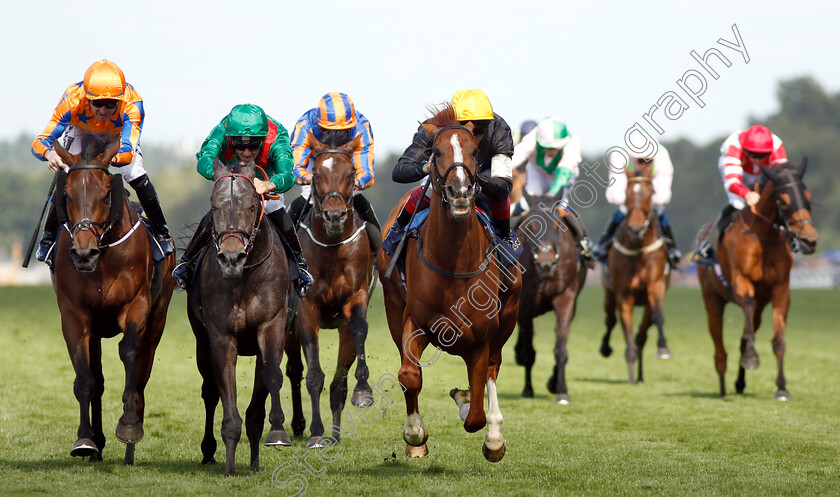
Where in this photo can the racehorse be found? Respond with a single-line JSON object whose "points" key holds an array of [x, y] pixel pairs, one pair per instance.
{"points": [[553, 277], [238, 306], [341, 262], [636, 273], [755, 262], [458, 297], [106, 282]]}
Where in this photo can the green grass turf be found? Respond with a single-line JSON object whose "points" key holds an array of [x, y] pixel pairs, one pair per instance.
{"points": [[671, 435]]}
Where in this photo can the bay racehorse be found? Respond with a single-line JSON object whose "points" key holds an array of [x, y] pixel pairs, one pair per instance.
{"points": [[636, 273], [552, 279], [336, 245], [106, 283], [458, 297], [239, 305], [755, 261]]}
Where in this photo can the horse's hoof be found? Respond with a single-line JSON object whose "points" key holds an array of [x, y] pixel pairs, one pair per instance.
{"points": [[606, 350], [417, 443], [129, 434], [84, 447], [493, 455], [749, 362], [528, 393], [416, 452], [208, 460], [316, 442], [663, 353], [277, 438], [551, 384], [782, 395], [362, 398], [563, 399]]}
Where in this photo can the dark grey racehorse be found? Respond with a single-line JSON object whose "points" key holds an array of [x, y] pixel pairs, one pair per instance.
{"points": [[553, 279], [239, 306]]}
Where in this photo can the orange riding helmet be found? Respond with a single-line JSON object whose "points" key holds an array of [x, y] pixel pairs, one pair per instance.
{"points": [[104, 79]]}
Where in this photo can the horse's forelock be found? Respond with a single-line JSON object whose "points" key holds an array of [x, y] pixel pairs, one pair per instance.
{"points": [[94, 144], [444, 116]]}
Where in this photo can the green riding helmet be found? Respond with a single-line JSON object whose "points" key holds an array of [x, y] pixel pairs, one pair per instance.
{"points": [[246, 121]]}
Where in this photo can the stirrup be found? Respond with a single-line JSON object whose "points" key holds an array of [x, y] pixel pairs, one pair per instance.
{"points": [[303, 281], [181, 275]]}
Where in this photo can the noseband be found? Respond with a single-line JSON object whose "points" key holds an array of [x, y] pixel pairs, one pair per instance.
{"points": [[246, 237], [441, 180]]}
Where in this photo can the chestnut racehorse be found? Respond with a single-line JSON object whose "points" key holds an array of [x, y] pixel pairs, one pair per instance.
{"points": [[240, 305], [459, 298], [106, 283], [336, 245], [755, 260], [553, 277], [637, 273]]}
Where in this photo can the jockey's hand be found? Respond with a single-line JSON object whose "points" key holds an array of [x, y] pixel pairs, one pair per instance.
{"points": [[752, 198], [263, 186], [54, 161]]}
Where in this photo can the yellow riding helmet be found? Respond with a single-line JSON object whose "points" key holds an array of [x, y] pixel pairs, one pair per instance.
{"points": [[104, 79], [471, 105]]}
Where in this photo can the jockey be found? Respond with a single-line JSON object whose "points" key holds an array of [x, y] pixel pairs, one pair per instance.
{"points": [[493, 169], [102, 103], [247, 134], [662, 175], [741, 157], [550, 156], [335, 122]]}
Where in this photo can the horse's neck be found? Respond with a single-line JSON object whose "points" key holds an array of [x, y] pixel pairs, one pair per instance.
{"points": [[762, 218], [445, 239], [262, 240]]}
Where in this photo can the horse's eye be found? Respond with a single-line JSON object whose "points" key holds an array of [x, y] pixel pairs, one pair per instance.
{"points": [[475, 152], [437, 153]]}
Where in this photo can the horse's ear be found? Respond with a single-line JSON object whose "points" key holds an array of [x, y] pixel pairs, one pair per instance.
{"points": [[249, 169], [431, 129], [107, 156], [314, 143], [769, 174], [802, 168], [470, 126], [351, 146], [219, 169], [67, 157]]}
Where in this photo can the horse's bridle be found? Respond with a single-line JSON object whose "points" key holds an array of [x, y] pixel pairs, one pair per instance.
{"points": [[441, 180], [784, 227], [647, 212], [246, 237], [320, 199], [86, 224]]}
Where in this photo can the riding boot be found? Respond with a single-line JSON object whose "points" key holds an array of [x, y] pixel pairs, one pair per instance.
{"points": [[579, 233], [296, 208], [283, 222], [600, 252], [704, 251], [50, 232], [502, 227], [183, 272], [365, 210], [151, 206], [674, 254]]}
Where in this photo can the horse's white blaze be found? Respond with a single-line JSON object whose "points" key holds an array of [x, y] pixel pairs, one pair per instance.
{"points": [[637, 188], [494, 439], [328, 163], [458, 156], [413, 431]]}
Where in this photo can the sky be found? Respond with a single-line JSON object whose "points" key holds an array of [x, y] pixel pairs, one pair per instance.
{"points": [[598, 65]]}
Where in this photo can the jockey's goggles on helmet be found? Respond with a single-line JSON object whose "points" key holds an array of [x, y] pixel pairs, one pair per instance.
{"points": [[757, 156], [252, 143], [108, 103]]}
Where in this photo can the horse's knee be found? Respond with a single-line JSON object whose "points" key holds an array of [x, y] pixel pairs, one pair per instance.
{"points": [[410, 379], [315, 380], [231, 428]]}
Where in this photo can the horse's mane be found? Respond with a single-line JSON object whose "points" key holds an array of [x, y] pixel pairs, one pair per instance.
{"points": [[94, 144], [444, 115]]}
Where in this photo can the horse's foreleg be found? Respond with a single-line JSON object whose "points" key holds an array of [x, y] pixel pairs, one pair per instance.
{"points": [[494, 443], [781, 304], [255, 414], [609, 309], [745, 296], [133, 322], [77, 336], [641, 338], [656, 301], [338, 387], [477, 368], [411, 378], [224, 353], [632, 354], [96, 401], [525, 353], [294, 371], [362, 393], [271, 337], [209, 393], [714, 313], [564, 312], [308, 322]]}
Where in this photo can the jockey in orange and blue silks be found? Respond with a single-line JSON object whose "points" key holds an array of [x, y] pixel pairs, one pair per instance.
{"points": [[102, 103], [335, 122], [248, 134], [742, 155], [493, 168]]}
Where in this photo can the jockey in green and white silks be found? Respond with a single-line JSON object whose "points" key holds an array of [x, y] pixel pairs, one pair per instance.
{"points": [[662, 176], [550, 156]]}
